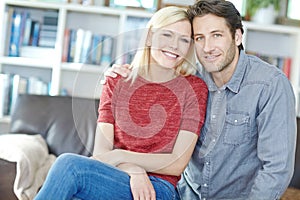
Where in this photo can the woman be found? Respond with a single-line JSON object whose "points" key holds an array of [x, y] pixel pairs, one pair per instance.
{"points": [[148, 124]]}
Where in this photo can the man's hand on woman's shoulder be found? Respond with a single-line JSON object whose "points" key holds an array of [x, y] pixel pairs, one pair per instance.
{"points": [[116, 69]]}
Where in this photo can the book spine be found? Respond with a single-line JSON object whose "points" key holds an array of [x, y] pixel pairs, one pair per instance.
{"points": [[107, 47], [14, 46]]}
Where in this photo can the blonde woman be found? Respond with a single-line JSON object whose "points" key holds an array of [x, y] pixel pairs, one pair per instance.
{"points": [[148, 123]]}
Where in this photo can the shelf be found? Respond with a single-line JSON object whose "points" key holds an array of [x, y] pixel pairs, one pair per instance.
{"points": [[34, 4], [80, 67], [29, 62], [275, 28], [5, 119], [79, 8]]}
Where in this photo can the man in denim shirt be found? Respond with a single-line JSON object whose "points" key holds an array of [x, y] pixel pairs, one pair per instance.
{"points": [[247, 145]]}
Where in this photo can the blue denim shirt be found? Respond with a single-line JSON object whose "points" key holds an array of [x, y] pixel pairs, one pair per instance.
{"points": [[247, 144]]}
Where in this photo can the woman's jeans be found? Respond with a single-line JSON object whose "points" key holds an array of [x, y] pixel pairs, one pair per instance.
{"points": [[79, 177]]}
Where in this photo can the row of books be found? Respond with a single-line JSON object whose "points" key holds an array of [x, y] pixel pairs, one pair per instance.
{"points": [[11, 85], [24, 30], [82, 46], [283, 63]]}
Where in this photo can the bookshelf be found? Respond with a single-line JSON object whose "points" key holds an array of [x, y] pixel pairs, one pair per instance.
{"points": [[279, 42], [72, 76], [123, 25]]}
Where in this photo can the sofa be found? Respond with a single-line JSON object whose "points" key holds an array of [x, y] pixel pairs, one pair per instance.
{"points": [[68, 125]]}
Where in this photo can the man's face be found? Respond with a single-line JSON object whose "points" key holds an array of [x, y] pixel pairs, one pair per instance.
{"points": [[216, 50]]}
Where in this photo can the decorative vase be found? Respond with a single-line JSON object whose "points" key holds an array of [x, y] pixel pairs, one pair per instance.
{"points": [[265, 15]]}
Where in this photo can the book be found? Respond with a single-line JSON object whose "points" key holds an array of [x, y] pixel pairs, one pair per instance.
{"points": [[27, 31], [96, 49], [35, 33], [78, 45], [72, 45], [287, 67], [66, 42], [107, 51], [86, 46], [48, 32], [8, 19], [15, 36]]}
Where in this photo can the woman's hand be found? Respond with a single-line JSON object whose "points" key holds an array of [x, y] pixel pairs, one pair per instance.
{"points": [[141, 187], [116, 69], [140, 184]]}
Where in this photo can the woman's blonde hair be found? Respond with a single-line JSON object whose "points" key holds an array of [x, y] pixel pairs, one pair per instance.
{"points": [[163, 17]]}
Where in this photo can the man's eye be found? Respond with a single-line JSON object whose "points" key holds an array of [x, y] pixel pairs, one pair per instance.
{"points": [[217, 35], [198, 38]]}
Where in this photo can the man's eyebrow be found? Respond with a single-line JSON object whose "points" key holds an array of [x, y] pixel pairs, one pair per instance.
{"points": [[214, 31]]}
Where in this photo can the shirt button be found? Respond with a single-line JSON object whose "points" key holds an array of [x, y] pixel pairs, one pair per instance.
{"points": [[204, 185], [203, 198], [207, 163], [214, 140], [214, 116]]}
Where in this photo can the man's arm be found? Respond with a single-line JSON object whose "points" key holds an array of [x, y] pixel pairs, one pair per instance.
{"points": [[276, 140]]}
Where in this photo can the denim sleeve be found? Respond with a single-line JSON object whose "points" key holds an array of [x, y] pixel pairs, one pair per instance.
{"points": [[276, 145]]}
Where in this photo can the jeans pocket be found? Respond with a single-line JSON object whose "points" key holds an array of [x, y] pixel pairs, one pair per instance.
{"points": [[237, 128]]}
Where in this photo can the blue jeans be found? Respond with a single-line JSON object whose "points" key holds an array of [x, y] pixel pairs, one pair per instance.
{"points": [[79, 177]]}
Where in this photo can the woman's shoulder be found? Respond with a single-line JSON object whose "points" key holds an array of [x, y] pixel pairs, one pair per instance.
{"points": [[195, 80], [114, 80]]}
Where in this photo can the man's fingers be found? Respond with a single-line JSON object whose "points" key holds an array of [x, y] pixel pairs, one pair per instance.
{"points": [[121, 69]]}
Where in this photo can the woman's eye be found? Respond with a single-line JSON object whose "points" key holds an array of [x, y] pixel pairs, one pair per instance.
{"points": [[185, 40], [166, 34]]}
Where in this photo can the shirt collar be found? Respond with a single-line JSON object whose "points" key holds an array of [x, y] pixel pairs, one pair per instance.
{"points": [[236, 79]]}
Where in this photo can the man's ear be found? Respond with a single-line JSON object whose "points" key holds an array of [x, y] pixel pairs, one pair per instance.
{"points": [[238, 37]]}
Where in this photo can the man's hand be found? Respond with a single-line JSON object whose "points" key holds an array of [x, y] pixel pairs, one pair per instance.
{"points": [[122, 70]]}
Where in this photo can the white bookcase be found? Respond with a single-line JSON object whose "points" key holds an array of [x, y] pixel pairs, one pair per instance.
{"points": [[276, 41], [78, 79], [84, 80]]}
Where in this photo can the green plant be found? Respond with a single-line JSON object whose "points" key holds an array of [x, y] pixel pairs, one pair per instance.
{"points": [[253, 5]]}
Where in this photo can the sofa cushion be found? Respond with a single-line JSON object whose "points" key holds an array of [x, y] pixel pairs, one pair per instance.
{"points": [[67, 124]]}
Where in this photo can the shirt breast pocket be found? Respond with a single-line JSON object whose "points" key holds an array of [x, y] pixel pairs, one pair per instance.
{"points": [[236, 128]]}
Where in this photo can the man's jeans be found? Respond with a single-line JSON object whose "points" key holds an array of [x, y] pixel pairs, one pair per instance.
{"points": [[78, 177]]}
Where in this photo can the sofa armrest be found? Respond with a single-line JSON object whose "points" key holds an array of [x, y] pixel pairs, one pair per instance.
{"points": [[7, 174], [67, 124]]}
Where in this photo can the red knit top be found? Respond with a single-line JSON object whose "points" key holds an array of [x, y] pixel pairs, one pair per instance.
{"points": [[147, 116]]}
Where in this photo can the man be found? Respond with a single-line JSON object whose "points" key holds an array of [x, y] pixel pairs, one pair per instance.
{"points": [[247, 144]]}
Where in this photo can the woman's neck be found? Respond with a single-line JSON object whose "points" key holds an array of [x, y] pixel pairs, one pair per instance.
{"points": [[159, 74]]}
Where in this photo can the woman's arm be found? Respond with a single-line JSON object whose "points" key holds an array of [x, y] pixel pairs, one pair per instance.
{"points": [[163, 163], [104, 138], [141, 186]]}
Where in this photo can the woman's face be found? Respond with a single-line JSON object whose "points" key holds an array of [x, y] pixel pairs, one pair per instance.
{"points": [[170, 44]]}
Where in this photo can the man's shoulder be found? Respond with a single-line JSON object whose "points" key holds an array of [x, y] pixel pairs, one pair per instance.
{"points": [[260, 70]]}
